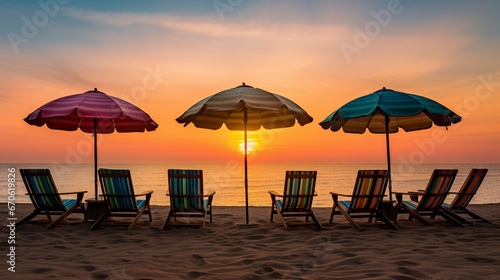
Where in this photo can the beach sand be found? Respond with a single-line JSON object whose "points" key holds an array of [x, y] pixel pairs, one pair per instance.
{"points": [[229, 249]]}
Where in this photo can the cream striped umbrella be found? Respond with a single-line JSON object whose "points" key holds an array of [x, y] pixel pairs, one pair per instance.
{"points": [[92, 112], [245, 108], [385, 111]]}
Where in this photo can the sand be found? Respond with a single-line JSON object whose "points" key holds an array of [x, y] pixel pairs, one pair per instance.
{"points": [[229, 249]]}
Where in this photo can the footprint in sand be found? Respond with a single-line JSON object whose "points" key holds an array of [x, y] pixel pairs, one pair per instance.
{"points": [[41, 270], [405, 263], [88, 268], [480, 260], [199, 260]]}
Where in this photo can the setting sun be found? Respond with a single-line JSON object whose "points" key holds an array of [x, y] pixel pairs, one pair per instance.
{"points": [[251, 145]]}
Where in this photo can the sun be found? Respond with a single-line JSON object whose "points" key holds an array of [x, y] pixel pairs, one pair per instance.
{"points": [[251, 145]]}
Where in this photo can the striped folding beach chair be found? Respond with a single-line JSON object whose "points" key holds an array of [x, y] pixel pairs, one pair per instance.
{"points": [[185, 189], [121, 201], [297, 197], [464, 196], [366, 198], [431, 199], [45, 197]]}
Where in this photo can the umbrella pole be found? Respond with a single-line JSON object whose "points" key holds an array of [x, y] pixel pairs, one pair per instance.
{"points": [[388, 155], [245, 119], [95, 157]]}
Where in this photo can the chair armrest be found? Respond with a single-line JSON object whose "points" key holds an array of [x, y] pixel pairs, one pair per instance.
{"points": [[209, 195], [339, 194], [273, 193], [51, 194], [415, 193], [79, 192], [144, 193], [462, 193], [401, 193]]}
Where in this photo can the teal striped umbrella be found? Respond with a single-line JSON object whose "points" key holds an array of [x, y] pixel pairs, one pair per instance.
{"points": [[385, 111]]}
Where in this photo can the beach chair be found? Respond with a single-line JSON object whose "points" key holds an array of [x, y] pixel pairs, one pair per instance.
{"points": [[366, 199], [431, 199], [46, 199], [185, 190], [120, 199], [464, 196], [297, 197]]}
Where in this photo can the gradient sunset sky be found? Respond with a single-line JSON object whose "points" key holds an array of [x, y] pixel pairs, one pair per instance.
{"points": [[164, 56]]}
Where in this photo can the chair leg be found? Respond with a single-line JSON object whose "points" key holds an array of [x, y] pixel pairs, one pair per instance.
{"points": [[139, 215], [386, 220], [99, 220], [331, 216], [62, 217], [477, 217], [28, 218], [170, 213], [149, 213], [344, 213], [205, 217], [451, 217], [316, 220], [455, 216], [414, 214], [278, 211]]}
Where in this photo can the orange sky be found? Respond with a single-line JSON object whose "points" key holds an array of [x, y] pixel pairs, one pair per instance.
{"points": [[166, 56]]}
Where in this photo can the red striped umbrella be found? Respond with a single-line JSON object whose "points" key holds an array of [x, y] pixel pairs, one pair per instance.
{"points": [[92, 112], [245, 108]]}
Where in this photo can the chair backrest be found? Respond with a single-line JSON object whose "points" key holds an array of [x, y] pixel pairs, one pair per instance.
{"points": [[469, 188], [117, 189], [185, 188], [437, 189], [369, 190], [299, 190], [39, 181]]}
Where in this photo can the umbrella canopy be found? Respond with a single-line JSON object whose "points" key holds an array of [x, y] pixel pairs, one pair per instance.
{"points": [[245, 108], [385, 111], [92, 112]]}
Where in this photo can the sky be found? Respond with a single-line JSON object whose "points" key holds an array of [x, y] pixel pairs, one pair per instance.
{"points": [[165, 56]]}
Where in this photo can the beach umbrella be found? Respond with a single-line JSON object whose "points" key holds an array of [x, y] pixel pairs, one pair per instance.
{"points": [[92, 112], [385, 111], [245, 108]]}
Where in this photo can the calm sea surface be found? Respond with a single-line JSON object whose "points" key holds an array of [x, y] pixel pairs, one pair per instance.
{"points": [[228, 180]]}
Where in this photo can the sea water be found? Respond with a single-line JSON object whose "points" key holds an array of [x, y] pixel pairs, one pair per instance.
{"points": [[227, 180]]}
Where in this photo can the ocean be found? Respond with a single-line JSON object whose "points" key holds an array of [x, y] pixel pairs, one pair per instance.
{"points": [[227, 180]]}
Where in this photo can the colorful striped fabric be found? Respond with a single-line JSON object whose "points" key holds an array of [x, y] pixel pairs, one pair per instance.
{"points": [[39, 181], [369, 190], [468, 190], [299, 190], [80, 110], [408, 111], [118, 182], [437, 189], [186, 190], [264, 109]]}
